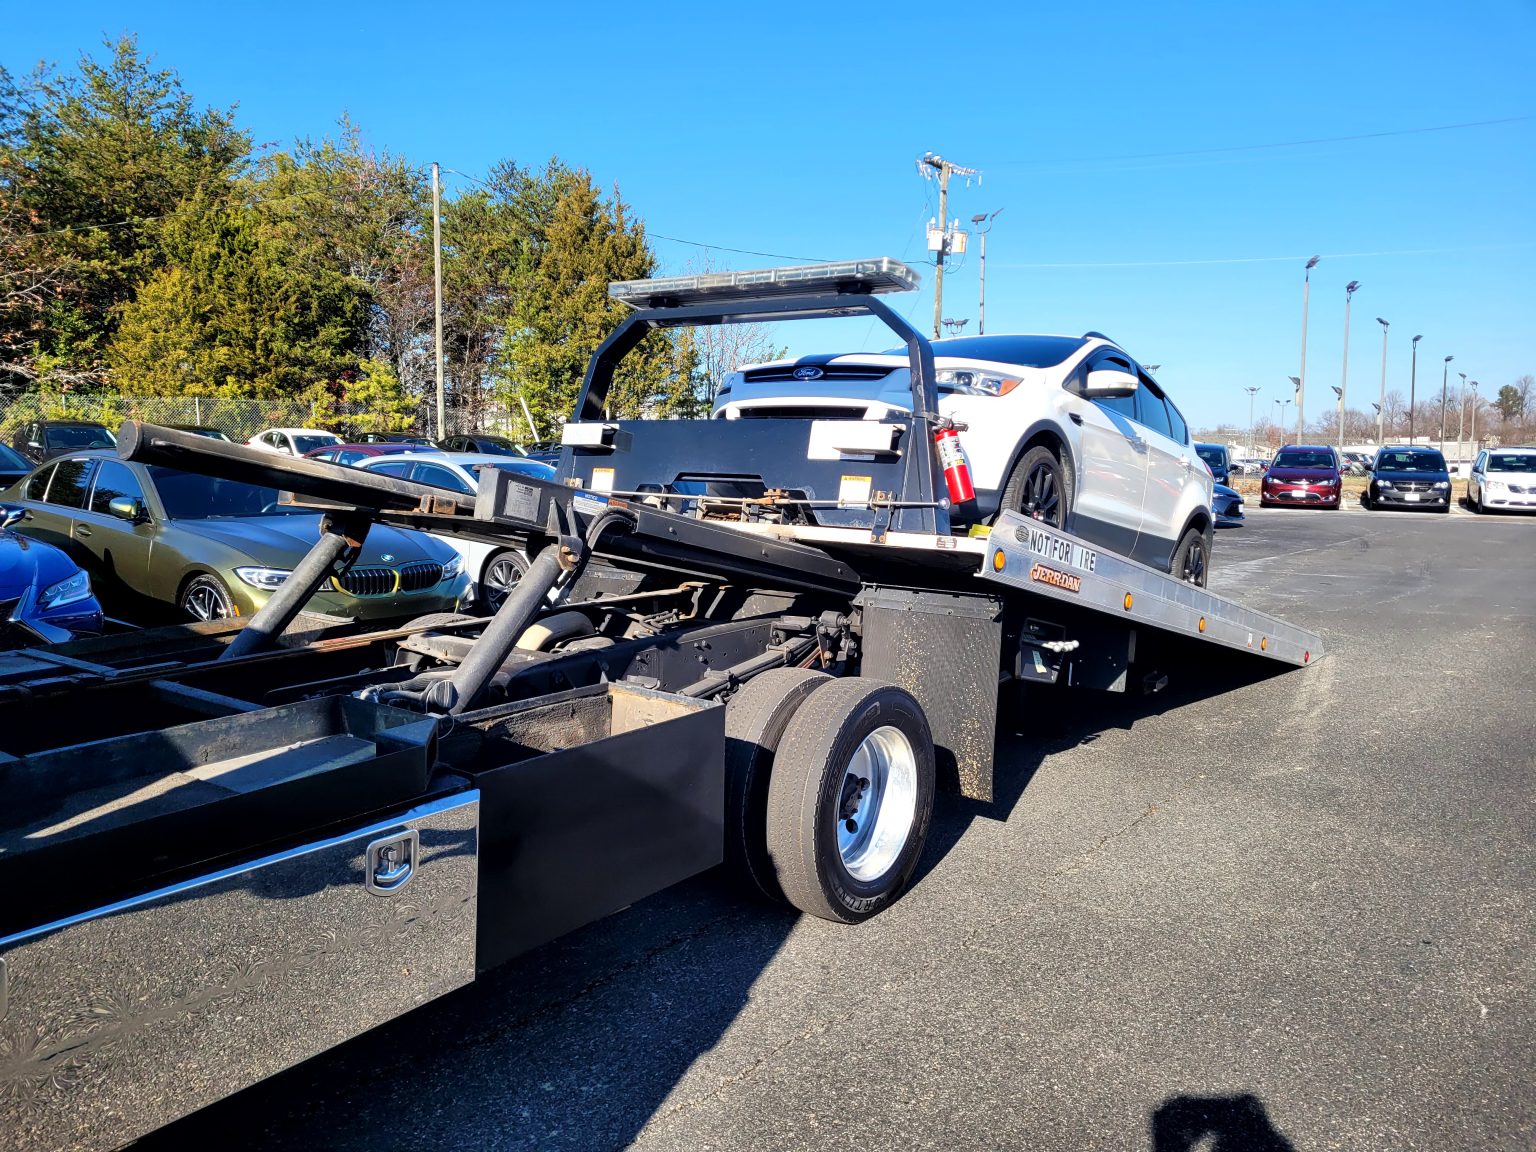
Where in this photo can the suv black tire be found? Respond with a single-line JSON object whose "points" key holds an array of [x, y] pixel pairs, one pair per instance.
{"points": [[1039, 472]]}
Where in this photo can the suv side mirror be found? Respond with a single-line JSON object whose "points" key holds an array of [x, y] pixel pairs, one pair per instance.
{"points": [[1370, 465], [1109, 383], [127, 508]]}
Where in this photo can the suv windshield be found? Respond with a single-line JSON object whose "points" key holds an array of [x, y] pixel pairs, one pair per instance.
{"points": [[1411, 462], [76, 436], [1512, 462], [1304, 458], [187, 496], [1025, 351]]}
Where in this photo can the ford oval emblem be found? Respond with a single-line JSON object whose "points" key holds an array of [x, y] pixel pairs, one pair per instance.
{"points": [[809, 372], [388, 558]]}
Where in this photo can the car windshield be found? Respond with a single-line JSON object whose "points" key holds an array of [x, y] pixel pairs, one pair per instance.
{"points": [[188, 496], [1411, 462], [1025, 351], [1304, 458], [496, 446], [1511, 462], [13, 461], [75, 436], [1212, 455], [309, 443]]}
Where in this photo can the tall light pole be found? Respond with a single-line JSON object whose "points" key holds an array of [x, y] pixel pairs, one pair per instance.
{"points": [[1413, 381], [1301, 388], [1296, 392], [1473, 437], [1445, 375], [1252, 390], [1280, 423], [1381, 407], [981, 305], [1461, 414], [1349, 295]]}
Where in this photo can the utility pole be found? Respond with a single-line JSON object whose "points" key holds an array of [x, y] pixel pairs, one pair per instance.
{"points": [[437, 299], [1349, 295], [1382, 406], [981, 305], [1252, 390], [945, 234], [1301, 387], [1473, 437]]}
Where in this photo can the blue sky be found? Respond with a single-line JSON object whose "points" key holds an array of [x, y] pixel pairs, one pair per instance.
{"points": [[794, 128]]}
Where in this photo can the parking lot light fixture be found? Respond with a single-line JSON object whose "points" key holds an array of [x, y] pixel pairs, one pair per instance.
{"points": [[1349, 294], [1381, 407], [1445, 375], [1413, 380], [1461, 414], [1301, 387]]}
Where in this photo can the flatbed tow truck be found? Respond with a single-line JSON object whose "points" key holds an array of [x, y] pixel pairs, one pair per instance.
{"points": [[226, 848]]}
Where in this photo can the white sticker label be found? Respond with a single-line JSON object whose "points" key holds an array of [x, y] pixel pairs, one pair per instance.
{"points": [[1057, 549], [602, 480], [854, 490]]}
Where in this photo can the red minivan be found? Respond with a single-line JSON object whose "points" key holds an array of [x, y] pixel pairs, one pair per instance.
{"points": [[1302, 474]]}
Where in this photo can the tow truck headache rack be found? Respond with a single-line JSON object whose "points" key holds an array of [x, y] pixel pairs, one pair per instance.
{"points": [[233, 846]]}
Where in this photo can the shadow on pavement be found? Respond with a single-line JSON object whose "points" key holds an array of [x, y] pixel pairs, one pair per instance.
{"points": [[576, 1045], [1034, 721], [1215, 1124]]}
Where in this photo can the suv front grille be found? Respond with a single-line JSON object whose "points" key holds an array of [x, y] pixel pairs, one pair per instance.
{"points": [[803, 412], [831, 374]]}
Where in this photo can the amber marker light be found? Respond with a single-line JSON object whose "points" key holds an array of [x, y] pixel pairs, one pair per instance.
{"points": [[999, 561], [1127, 601]]}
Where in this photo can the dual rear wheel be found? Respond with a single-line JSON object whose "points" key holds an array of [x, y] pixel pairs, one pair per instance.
{"points": [[829, 790]]}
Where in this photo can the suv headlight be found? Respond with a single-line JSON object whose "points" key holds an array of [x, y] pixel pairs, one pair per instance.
{"points": [[67, 591], [1383, 483], [973, 382], [453, 566], [263, 578], [1442, 483]]}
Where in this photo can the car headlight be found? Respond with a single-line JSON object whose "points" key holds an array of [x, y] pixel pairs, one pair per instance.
{"points": [[1442, 483], [263, 578], [67, 591], [1383, 483], [453, 566], [1496, 485], [970, 381], [1330, 481]]}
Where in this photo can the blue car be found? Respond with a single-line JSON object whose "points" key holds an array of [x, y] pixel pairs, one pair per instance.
{"points": [[44, 595]]}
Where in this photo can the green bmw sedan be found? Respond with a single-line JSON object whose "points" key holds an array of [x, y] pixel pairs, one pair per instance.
{"points": [[157, 538]]}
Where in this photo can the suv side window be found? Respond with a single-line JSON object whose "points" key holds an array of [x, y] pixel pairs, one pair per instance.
{"points": [[114, 480], [71, 481], [37, 487], [1151, 411], [1180, 431], [397, 468]]}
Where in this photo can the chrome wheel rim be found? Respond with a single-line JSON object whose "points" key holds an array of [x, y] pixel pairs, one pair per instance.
{"points": [[877, 804], [500, 578], [203, 602], [1042, 495]]}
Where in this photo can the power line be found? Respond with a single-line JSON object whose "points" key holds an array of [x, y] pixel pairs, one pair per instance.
{"points": [[742, 251], [1276, 259], [1275, 144]]}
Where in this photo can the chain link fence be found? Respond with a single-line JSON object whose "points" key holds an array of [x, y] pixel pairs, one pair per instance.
{"points": [[242, 419]]}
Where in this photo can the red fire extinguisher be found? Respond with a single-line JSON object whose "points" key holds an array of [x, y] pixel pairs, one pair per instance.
{"points": [[957, 471]]}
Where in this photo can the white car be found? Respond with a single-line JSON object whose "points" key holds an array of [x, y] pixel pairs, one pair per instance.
{"points": [[1503, 478], [493, 569], [1067, 429], [294, 441]]}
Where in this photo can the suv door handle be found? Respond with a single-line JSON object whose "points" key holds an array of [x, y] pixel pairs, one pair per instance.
{"points": [[1075, 417], [82, 531], [1184, 462]]}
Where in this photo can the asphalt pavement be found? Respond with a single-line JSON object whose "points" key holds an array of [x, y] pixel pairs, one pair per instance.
{"points": [[1294, 913]]}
